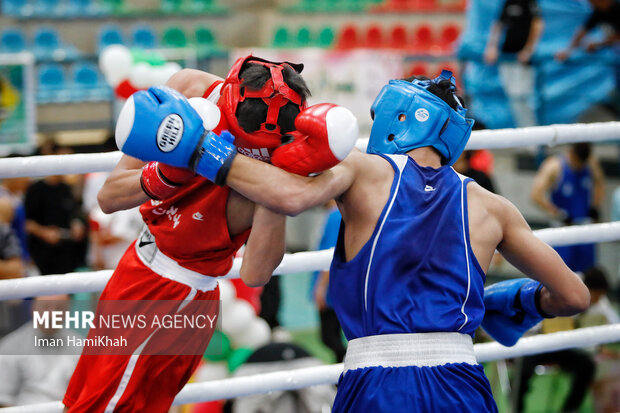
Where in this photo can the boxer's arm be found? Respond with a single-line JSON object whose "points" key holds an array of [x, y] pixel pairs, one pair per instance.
{"points": [[192, 82], [289, 193], [122, 189], [265, 247], [563, 293]]}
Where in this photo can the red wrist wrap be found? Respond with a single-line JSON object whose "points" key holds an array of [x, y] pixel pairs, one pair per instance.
{"points": [[155, 185]]}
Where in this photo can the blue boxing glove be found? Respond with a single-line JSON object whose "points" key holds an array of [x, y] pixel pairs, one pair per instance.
{"points": [[160, 124], [511, 308]]}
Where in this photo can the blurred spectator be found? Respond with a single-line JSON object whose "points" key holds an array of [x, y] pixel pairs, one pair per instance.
{"points": [[270, 306], [463, 166], [615, 216], [615, 205], [601, 311], [331, 334], [520, 25], [606, 387], [35, 374], [110, 234], [278, 357], [578, 363], [12, 312], [605, 12], [478, 164], [15, 189], [56, 231], [570, 189], [11, 264], [53, 226]]}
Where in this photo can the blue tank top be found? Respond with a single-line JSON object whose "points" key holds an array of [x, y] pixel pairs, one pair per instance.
{"points": [[573, 193], [417, 272]]}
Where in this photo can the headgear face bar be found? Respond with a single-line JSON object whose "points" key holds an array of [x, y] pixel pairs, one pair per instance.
{"points": [[407, 116], [275, 93]]}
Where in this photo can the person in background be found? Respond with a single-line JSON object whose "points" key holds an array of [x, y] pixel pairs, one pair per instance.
{"points": [[605, 13], [601, 311], [11, 263], [578, 363], [331, 333], [12, 312], [606, 386], [36, 374], [56, 231], [15, 190], [109, 234], [615, 216], [463, 166], [520, 25], [569, 188]]}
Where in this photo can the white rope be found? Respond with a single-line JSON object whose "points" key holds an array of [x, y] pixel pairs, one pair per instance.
{"points": [[537, 135], [79, 163], [79, 282], [291, 264], [312, 376], [489, 139], [580, 234]]}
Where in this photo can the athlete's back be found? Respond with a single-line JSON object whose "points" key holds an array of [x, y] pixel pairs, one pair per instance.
{"points": [[415, 279], [418, 258]]}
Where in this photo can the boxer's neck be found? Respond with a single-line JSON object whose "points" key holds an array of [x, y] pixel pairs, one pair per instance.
{"points": [[426, 156]]}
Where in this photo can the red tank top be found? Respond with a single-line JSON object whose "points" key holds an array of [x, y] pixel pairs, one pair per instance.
{"points": [[191, 227]]}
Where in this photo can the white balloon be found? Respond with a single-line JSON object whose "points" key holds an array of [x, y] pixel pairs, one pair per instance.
{"points": [[208, 111], [115, 77], [235, 317], [227, 292], [255, 335], [160, 77], [171, 68], [162, 73], [141, 75], [212, 371], [115, 62]]}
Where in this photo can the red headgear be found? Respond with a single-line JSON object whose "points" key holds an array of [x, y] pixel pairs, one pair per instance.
{"points": [[275, 93]]}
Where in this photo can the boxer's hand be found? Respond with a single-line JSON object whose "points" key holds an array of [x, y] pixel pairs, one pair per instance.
{"points": [[325, 135], [160, 124], [511, 308], [160, 181]]}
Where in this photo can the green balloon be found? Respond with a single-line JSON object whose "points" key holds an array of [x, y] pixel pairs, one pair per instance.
{"points": [[219, 347], [238, 357], [152, 58]]}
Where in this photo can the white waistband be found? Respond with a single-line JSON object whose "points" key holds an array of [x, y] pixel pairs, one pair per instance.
{"points": [[165, 266], [402, 350]]}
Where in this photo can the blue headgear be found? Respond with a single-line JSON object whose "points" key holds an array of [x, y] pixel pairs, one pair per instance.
{"points": [[407, 116]]}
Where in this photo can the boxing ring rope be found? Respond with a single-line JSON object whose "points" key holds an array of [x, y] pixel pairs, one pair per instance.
{"points": [[312, 376], [291, 263], [485, 139], [320, 260]]}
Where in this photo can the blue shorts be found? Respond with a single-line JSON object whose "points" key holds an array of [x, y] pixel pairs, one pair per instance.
{"points": [[447, 388]]}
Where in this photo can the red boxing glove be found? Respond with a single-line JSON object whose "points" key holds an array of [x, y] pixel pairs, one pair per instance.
{"points": [[325, 135], [160, 181]]}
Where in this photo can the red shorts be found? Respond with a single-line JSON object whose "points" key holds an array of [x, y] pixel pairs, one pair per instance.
{"points": [[137, 382]]}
